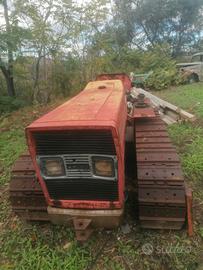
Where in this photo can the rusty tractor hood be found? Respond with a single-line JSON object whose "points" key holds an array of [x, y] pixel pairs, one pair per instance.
{"points": [[100, 103]]}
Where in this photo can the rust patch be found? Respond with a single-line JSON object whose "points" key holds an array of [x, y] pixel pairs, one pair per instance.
{"points": [[26, 196], [57, 203]]}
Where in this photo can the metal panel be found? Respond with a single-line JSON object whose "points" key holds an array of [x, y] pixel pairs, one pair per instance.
{"points": [[82, 189], [74, 142]]}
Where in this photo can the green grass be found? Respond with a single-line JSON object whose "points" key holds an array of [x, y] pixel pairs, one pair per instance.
{"points": [[188, 97], [189, 137], [48, 247], [32, 247], [189, 142], [12, 144]]}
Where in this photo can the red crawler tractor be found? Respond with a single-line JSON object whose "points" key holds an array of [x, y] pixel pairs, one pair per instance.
{"points": [[75, 170]]}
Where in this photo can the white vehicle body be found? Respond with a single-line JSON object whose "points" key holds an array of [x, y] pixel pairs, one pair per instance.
{"points": [[194, 69]]}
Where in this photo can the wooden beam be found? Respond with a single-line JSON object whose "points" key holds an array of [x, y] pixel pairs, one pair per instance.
{"points": [[173, 113]]}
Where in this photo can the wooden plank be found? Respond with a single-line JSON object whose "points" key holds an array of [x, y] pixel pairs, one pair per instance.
{"points": [[172, 112]]}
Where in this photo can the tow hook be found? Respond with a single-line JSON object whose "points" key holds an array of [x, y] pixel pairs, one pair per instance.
{"points": [[83, 229]]}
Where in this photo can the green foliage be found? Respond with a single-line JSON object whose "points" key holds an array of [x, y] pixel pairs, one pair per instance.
{"points": [[157, 61], [58, 46], [164, 71], [176, 22], [8, 104], [66, 77], [162, 78]]}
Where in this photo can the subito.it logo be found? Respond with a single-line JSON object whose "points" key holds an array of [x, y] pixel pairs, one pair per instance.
{"points": [[147, 249]]}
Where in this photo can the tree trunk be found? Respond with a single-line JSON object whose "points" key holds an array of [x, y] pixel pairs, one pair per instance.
{"points": [[36, 78], [10, 85], [8, 71], [37, 72], [9, 80]]}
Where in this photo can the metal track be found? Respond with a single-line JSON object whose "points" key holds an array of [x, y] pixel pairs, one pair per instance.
{"points": [[26, 197], [161, 188]]}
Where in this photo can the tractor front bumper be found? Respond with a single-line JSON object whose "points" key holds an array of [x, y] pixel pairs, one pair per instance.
{"points": [[107, 219]]}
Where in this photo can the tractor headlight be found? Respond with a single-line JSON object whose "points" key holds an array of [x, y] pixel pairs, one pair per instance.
{"points": [[103, 166], [52, 167]]}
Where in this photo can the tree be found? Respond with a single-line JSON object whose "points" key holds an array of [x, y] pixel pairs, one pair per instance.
{"points": [[7, 46], [88, 21], [46, 24], [12, 36], [147, 22]]}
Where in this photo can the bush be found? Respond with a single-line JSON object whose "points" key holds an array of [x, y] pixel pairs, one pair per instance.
{"points": [[163, 78], [8, 104], [163, 66]]}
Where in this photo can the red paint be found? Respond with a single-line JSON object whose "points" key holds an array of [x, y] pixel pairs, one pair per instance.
{"points": [[147, 112], [101, 105], [117, 76]]}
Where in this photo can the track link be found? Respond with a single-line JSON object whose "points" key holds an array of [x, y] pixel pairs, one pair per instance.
{"points": [[26, 196], [161, 187]]}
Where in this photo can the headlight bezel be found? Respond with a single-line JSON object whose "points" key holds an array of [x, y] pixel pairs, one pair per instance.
{"points": [[43, 168], [91, 157], [103, 159]]}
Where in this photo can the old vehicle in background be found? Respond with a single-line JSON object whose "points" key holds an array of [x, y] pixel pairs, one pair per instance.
{"points": [[192, 71], [139, 79]]}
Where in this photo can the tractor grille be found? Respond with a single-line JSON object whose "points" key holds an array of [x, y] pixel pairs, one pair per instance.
{"points": [[82, 189], [79, 183], [74, 142], [78, 166]]}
